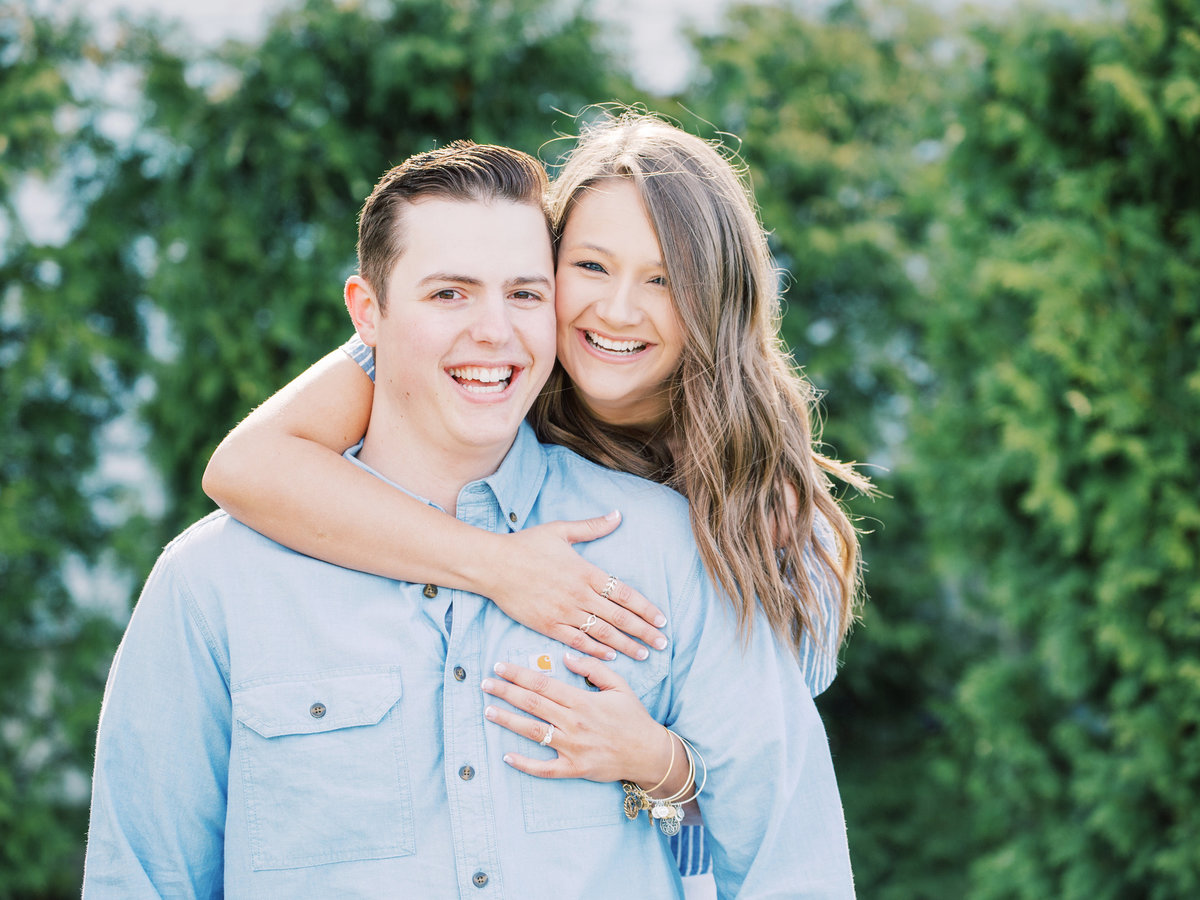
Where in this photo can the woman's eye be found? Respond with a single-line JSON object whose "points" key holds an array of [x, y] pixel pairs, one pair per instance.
{"points": [[590, 266], [660, 279]]}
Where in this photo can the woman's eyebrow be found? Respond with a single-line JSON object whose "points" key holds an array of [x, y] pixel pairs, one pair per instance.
{"points": [[596, 248]]}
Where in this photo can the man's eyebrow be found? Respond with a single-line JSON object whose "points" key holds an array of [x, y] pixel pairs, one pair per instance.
{"points": [[527, 279], [509, 283], [450, 276]]}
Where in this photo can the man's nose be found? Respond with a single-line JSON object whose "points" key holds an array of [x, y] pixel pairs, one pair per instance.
{"points": [[493, 321]]}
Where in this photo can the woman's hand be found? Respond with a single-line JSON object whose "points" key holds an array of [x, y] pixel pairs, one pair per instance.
{"points": [[604, 735], [539, 580]]}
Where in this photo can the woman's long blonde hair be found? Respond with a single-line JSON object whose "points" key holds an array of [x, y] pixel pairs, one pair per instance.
{"points": [[739, 430]]}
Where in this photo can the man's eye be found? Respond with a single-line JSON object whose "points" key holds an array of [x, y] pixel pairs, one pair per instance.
{"points": [[526, 295], [447, 294]]}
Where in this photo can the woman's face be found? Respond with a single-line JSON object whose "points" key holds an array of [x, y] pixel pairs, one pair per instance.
{"points": [[619, 337]]}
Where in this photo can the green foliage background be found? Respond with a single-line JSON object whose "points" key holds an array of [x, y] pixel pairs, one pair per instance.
{"points": [[991, 232]]}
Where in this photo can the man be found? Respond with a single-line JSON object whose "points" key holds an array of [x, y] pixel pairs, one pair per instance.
{"points": [[275, 726]]}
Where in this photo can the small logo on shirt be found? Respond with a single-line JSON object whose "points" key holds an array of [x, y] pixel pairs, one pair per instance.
{"points": [[534, 659]]}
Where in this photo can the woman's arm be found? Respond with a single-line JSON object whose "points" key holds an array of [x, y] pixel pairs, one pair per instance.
{"points": [[282, 473]]}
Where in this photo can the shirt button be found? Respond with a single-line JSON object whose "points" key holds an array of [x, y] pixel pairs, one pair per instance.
{"points": [[430, 591], [317, 710], [460, 674], [479, 879], [512, 517], [466, 773]]}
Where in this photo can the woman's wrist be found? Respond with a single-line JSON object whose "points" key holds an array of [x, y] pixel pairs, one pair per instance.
{"points": [[476, 564], [663, 768]]}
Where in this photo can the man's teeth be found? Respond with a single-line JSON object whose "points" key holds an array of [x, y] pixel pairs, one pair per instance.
{"points": [[481, 380], [614, 346]]}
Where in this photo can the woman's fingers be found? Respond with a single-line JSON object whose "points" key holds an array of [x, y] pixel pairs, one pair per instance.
{"points": [[596, 631], [533, 692], [534, 729], [624, 597], [597, 673], [623, 620], [589, 529], [618, 604], [581, 643], [542, 768]]}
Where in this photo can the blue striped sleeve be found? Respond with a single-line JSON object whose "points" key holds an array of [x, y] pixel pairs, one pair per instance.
{"points": [[691, 851], [819, 661], [361, 354]]}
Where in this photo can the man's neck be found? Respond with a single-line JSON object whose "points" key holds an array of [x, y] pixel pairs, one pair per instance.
{"points": [[431, 472]]}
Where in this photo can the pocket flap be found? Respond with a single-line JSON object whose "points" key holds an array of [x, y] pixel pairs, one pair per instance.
{"points": [[324, 702]]}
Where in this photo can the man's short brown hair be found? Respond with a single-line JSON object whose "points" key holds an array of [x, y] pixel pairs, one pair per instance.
{"points": [[462, 170]]}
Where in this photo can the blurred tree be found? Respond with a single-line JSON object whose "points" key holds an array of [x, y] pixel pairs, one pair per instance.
{"points": [[841, 119], [1057, 451], [199, 267], [64, 327]]}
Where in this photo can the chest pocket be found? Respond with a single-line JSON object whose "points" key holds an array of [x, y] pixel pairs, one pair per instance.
{"points": [[323, 771], [551, 804]]}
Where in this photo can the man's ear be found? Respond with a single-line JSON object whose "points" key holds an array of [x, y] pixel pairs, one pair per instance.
{"points": [[363, 306]]}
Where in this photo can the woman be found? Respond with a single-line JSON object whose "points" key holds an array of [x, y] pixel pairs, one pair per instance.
{"points": [[670, 367]]}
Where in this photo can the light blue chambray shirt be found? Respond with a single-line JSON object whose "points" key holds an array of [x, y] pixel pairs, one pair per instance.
{"points": [[274, 726]]}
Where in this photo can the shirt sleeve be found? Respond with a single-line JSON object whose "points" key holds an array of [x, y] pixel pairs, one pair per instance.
{"points": [[162, 754], [819, 659], [361, 354], [770, 803]]}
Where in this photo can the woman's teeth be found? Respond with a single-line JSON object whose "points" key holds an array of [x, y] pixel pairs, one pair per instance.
{"points": [[613, 346], [481, 380]]}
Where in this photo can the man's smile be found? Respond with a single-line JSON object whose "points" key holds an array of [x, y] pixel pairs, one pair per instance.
{"points": [[483, 379]]}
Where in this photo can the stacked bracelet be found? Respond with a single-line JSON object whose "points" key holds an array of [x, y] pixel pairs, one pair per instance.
{"points": [[667, 811]]}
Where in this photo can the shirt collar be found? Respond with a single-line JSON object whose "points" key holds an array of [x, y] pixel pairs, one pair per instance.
{"points": [[518, 480], [514, 485]]}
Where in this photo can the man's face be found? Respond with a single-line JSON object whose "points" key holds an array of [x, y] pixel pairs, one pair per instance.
{"points": [[467, 338]]}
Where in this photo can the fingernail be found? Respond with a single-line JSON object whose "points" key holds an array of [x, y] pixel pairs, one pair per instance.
{"points": [[610, 655], [660, 643], [571, 655], [642, 653], [499, 668], [488, 685], [613, 516], [490, 712], [660, 620], [508, 758]]}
